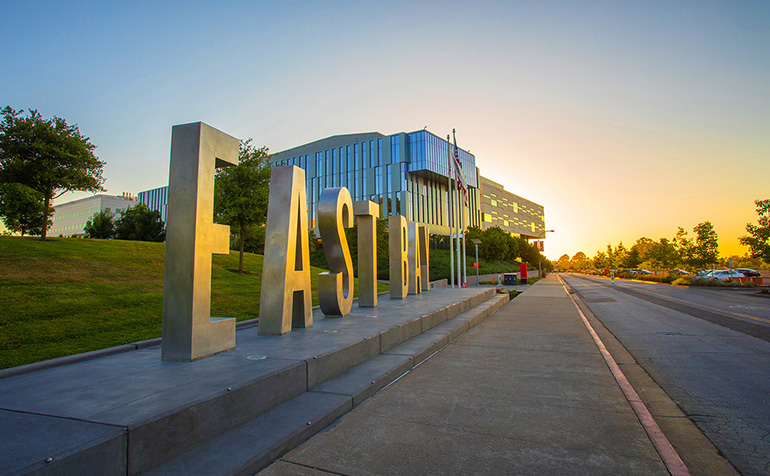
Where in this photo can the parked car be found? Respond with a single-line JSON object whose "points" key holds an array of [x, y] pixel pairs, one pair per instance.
{"points": [[704, 273], [680, 272], [749, 273], [644, 271], [726, 274]]}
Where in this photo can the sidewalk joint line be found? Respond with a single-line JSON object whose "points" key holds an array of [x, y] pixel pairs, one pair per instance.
{"points": [[313, 467]]}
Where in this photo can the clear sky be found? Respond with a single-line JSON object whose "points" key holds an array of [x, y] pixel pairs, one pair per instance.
{"points": [[622, 118]]}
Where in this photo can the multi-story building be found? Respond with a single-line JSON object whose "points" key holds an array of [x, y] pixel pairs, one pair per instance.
{"points": [[156, 199], [70, 218], [406, 173], [510, 212]]}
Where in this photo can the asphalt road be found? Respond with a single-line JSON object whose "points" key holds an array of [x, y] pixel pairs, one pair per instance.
{"points": [[709, 349]]}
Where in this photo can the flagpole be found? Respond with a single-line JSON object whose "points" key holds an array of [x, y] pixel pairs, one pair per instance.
{"points": [[461, 271], [465, 269], [450, 222], [457, 221]]}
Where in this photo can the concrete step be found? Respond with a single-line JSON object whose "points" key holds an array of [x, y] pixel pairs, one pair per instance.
{"points": [[138, 412], [253, 446]]}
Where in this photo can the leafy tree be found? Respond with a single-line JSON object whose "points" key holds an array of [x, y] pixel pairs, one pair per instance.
{"points": [[530, 254], [663, 254], [683, 247], [21, 209], [564, 263], [241, 192], [101, 225], [758, 238], [622, 257], [140, 223], [705, 250], [581, 261], [47, 155], [611, 261], [643, 249], [496, 244], [601, 261]]}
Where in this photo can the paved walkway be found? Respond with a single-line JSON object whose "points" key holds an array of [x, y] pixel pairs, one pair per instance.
{"points": [[524, 392]]}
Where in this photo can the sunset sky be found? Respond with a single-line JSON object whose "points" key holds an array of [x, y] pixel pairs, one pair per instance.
{"points": [[623, 119]]}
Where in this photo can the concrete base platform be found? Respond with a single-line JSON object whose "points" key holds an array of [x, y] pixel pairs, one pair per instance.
{"points": [[132, 413]]}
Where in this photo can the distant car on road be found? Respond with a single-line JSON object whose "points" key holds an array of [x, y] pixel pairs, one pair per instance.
{"points": [[680, 272], [749, 273], [644, 271], [726, 274]]}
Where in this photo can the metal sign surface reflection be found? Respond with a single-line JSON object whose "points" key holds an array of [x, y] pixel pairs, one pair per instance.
{"points": [[285, 301], [399, 262], [189, 331], [424, 257], [367, 213], [335, 288], [415, 262]]}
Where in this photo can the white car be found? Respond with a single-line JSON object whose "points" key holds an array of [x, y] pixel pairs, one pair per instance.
{"points": [[726, 274]]}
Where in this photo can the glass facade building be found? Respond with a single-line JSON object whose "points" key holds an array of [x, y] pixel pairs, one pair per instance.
{"points": [[156, 199], [406, 173]]}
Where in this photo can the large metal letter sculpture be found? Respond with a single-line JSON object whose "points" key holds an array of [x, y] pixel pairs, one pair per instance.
{"points": [[335, 288], [399, 262], [415, 275], [189, 331], [285, 301], [367, 213], [424, 261]]}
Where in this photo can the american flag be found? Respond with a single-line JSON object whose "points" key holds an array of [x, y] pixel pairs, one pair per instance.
{"points": [[459, 175]]}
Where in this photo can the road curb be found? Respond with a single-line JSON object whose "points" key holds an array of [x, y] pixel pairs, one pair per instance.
{"points": [[695, 449]]}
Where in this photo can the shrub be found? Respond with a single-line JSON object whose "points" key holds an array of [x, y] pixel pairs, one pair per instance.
{"points": [[714, 283], [681, 281]]}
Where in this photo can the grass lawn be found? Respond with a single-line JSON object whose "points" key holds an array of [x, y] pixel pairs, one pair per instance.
{"points": [[439, 265], [65, 296]]}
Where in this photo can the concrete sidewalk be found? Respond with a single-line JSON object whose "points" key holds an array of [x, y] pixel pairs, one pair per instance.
{"points": [[524, 392]]}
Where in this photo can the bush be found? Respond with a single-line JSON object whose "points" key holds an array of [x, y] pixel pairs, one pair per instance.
{"points": [[101, 226], [655, 279], [682, 281], [714, 283], [140, 223]]}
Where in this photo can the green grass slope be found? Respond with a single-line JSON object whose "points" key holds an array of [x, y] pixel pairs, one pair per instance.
{"points": [[439, 265], [65, 296]]}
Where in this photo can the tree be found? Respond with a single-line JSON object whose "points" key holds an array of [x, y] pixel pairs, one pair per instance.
{"points": [[101, 225], [241, 192], [496, 245], [580, 261], [641, 252], [140, 223], [622, 257], [758, 239], [705, 250], [601, 261], [682, 247], [564, 263], [663, 254], [610, 256], [21, 209], [530, 254], [47, 155]]}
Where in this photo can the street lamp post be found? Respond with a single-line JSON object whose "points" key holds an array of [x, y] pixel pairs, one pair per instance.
{"points": [[540, 260], [476, 242]]}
